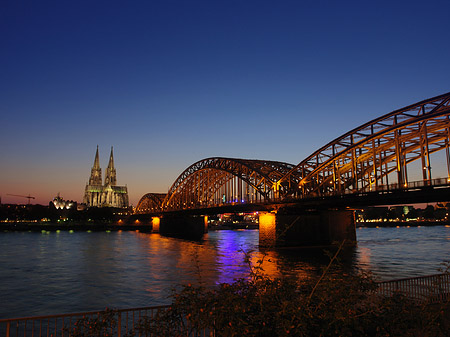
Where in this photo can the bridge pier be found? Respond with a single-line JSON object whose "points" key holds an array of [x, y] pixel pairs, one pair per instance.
{"points": [[183, 226], [306, 228], [155, 224]]}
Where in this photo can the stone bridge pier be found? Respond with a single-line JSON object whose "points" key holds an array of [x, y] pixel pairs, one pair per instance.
{"points": [[183, 226], [306, 228], [283, 228]]}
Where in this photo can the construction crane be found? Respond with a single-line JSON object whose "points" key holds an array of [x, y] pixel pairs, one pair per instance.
{"points": [[29, 197]]}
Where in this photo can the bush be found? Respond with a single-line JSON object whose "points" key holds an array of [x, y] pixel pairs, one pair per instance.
{"points": [[336, 304], [102, 325]]}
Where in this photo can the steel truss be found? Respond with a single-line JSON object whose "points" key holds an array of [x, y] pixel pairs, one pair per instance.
{"points": [[150, 203], [217, 181], [376, 153]]}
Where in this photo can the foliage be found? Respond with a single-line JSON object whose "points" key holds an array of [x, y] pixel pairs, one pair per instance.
{"points": [[335, 304], [101, 325]]}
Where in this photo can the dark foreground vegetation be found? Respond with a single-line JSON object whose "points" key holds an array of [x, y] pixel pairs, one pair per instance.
{"points": [[335, 303]]}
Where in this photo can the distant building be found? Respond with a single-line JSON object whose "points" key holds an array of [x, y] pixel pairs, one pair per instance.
{"points": [[108, 194], [60, 203]]}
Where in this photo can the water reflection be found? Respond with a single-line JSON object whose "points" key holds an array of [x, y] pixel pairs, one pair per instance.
{"points": [[46, 273]]}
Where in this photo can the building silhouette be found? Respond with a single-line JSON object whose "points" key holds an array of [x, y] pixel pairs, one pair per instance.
{"points": [[108, 194]]}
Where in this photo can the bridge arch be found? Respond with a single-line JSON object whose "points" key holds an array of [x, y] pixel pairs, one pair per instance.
{"points": [[376, 155], [217, 181], [150, 202]]}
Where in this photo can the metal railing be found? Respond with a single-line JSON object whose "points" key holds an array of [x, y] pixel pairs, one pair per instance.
{"points": [[431, 288], [125, 320], [437, 182]]}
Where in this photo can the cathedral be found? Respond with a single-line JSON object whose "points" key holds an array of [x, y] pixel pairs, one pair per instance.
{"points": [[98, 194]]}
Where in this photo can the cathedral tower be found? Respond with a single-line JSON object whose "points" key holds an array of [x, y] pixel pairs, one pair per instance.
{"points": [[110, 178], [96, 172]]}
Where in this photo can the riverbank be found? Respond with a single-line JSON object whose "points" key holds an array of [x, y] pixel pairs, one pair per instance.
{"points": [[147, 228], [72, 226], [102, 226], [425, 223]]}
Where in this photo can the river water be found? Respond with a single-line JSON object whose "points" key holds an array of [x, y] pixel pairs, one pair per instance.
{"points": [[63, 272]]}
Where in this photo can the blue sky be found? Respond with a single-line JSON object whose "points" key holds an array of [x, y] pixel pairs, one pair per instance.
{"points": [[168, 83]]}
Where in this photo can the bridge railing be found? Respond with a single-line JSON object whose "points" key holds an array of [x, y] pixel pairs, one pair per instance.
{"points": [[438, 182], [410, 185]]}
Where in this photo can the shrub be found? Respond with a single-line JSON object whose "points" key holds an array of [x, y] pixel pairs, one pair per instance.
{"points": [[101, 325], [335, 304]]}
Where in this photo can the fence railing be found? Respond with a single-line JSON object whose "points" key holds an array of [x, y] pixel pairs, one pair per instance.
{"points": [[64, 324], [431, 288]]}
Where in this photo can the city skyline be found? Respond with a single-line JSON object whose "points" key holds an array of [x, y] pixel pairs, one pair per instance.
{"points": [[169, 83]]}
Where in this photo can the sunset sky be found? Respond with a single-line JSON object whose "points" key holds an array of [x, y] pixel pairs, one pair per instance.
{"points": [[168, 83]]}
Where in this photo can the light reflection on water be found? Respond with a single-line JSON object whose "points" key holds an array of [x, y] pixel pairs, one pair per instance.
{"points": [[69, 272]]}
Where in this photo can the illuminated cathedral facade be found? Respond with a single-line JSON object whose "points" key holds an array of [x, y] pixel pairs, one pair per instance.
{"points": [[108, 194]]}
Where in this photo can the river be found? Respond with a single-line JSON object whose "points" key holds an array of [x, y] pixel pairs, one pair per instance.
{"points": [[63, 272]]}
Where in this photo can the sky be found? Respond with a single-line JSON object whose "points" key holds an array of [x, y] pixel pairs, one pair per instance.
{"points": [[168, 83]]}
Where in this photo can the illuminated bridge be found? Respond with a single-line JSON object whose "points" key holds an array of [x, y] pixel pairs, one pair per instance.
{"points": [[387, 160]]}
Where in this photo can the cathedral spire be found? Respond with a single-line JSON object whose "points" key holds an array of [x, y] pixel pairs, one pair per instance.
{"points": [[110, 178], [96, 172], [96, 160]]}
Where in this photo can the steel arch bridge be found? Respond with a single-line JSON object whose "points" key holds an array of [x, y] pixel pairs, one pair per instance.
{"points": [[221, 181], [378, 155]]}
